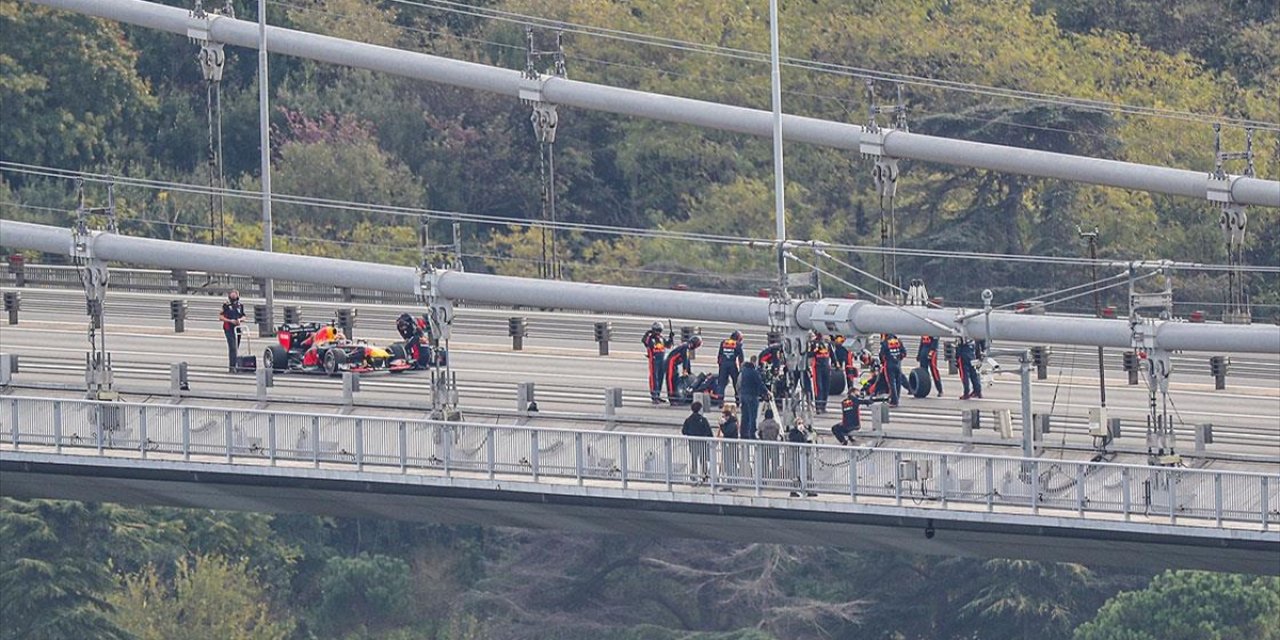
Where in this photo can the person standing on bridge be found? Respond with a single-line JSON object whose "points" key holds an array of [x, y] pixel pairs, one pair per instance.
{"points": [[819, 354], [966, 361], [655, 347], [696, 426], [731, 453], [750, 391], [927, 356], [232, 316], [839, 353], [729, 359], [891, 354]]}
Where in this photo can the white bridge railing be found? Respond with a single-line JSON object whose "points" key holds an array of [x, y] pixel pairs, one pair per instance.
{"points": [[923, 478]]}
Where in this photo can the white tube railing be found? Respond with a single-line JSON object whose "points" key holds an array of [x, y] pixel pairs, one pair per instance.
{"points": [[932, 479]]}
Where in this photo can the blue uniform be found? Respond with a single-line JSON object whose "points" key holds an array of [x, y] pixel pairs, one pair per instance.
{"points": [[655, 347], [850, 417], [966, 357], [730, 360], [677, 363], [819, 352], [927, 356], [891, 354], [749, 394]]}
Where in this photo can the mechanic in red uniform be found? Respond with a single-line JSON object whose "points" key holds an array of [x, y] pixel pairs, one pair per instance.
{"points": [[655, 349]]}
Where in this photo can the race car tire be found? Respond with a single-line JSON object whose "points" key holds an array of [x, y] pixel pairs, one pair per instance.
{"points": [[398, 352], [333, 360], [835, 383], [920, 382], [277, 358]]}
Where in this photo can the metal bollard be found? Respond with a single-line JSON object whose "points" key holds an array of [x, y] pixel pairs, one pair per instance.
{"points": [[8, 367], [612, 400], [1041, 422], [518, 329], [1130, 360], [879, 416], [1113, 428], [970, 421], [1204, 435], [1217, 367], [178, 312], [347, 321], [264, 377], [604, 330], [524, 397], [1040, 358], [12, 303], [178, 381], [350, 385], [260, 318]]}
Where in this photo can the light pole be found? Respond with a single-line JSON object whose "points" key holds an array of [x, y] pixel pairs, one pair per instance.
{"points": [[1092, 238], [779, 197], [264, 140]]}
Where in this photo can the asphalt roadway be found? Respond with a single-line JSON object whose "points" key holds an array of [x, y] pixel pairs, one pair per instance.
{"points": [[560, 356]]}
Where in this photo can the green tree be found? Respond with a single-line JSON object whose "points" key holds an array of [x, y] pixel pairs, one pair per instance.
{"points": [[210, 597], [366, 591], [1191, 605], [69, 91], [54, 570]]}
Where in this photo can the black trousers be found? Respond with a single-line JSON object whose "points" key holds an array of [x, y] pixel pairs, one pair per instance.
{"points": [[233, 344]]}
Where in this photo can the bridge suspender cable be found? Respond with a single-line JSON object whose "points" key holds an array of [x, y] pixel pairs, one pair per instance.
{"points": [[1241, 190]]}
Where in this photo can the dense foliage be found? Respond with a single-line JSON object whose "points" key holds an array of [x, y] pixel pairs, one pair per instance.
{"points": [[78, 570], [83, 94]]}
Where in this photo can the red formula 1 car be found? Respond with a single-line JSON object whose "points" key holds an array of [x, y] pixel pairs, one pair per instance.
{"points": [[311, 347]]}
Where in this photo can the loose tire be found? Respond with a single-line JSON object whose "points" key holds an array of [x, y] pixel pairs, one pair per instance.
{"points": [[835, 383], [920, 382], [277, 358]]}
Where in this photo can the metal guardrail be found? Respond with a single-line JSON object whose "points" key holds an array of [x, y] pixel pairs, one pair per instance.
{"points": [[924, 478]]}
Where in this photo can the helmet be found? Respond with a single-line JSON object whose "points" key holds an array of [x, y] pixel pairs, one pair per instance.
{"points": [[695, 342], [865, 357], [839, 339], [736, 335], [657, 326]]}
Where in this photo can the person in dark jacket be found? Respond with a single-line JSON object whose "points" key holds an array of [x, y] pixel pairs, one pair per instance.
{"points": [[655, 349], [850, 416], [891, 354], [232, 316], [731, 455], [729, 360], [696, 426], [927, 357], [750, 390], [678, 365]]}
